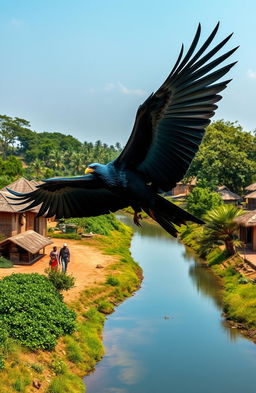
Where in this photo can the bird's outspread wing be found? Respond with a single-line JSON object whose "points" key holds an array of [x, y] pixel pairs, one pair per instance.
{"points": [[170, 125], [81, 196]]}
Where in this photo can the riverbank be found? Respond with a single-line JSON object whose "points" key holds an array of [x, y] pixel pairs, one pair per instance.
{"points": [[61, 370], [238, 292]]}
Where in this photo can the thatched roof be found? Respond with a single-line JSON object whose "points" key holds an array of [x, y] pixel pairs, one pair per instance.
{"points": [[247, 219], [252, 195], [30, 241], [251, 187], [21, 185], [227, 195]]}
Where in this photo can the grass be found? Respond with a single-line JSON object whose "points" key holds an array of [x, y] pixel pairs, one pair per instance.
{"points": [[68, 383]]}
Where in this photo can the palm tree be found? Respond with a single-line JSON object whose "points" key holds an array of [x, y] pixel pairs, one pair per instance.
{"points": [[221, 228]]}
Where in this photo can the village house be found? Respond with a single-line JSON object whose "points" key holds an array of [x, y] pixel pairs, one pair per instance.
{"points": [[181, 190], [247, 229], [228, 196], [23, 233]]}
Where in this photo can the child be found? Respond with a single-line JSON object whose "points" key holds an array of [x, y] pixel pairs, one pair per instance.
{"points": [[54, 258]]}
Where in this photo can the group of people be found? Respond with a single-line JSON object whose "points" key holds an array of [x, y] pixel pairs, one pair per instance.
{"points": [[61, 258]]}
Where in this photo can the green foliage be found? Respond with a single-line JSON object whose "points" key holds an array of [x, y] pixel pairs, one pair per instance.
{"points": [[227, 156], [201, 200], [21, 382], [74, 352], [105, 307], [73, 236], [221, 228], [240, 299], [5, 263], [61, 281], [37, 367], [113, 281], [32, 311], [101, 225], [216, 256], [68, 383], [58, 366]]}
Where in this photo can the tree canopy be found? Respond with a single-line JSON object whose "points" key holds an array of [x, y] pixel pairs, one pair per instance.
{"points": [[227, 156]]}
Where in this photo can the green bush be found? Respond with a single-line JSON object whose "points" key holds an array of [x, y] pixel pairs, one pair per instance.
{"points": [[37, 367], [67, 383], [61, 280], [105, 307], [32, 311], [59, 367], [73, 236], [111, 280], [5, 263], [74, 353], [101, 225]]}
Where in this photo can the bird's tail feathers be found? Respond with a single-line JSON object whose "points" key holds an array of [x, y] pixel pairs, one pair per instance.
{"points": [[168, 215]]}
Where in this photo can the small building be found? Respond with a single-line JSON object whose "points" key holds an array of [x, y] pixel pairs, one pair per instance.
{"points": [[247, 229], [250, 200], [13, 222], [183, 189], [228, 196], [24, 248], [250, 188]]}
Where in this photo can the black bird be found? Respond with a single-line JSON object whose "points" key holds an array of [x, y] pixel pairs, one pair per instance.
{"points": [[168, 130]]}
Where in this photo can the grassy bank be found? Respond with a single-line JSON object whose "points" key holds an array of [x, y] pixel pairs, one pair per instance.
{"points": [[239, 293], [62, 368]]}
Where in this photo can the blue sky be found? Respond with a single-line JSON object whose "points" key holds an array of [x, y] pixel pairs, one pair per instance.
{"points": [[82, 67]]}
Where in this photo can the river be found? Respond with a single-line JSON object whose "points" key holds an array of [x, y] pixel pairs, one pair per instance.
{"points": [[171, 337]]}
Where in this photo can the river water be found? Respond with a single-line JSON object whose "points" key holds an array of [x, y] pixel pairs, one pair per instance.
{"points": [[170, 337]]}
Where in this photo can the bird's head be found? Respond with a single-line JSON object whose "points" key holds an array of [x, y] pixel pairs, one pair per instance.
{"points": [[94, 168]]}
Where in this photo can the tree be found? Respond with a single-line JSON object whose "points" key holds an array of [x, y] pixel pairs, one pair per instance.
{"points": [[221, 228], [201, 200], [227, 156]]}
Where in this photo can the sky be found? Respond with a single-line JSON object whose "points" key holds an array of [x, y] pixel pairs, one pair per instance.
{"points": [[82, 67]]}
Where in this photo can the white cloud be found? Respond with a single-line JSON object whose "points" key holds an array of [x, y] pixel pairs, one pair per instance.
{"points": [[109, 86], [125, 90], [251, 74]]}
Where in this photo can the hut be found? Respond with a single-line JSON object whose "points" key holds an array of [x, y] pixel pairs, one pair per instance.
{"points": [[247, 229], [228, 196], [250, 188], [12, 222], [24, 248], [183, 189], [250, 200]]}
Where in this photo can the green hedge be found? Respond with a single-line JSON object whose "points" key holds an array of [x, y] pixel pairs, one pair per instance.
{"points": [[33, 312], [101, 225]]}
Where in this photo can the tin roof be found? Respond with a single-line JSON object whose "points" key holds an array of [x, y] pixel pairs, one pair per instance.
{"points": [[30, 241]]}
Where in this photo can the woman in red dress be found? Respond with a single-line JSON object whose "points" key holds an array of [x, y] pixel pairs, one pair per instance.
{"points": [[54, 258]]}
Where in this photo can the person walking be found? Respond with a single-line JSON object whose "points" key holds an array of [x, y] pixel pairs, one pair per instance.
{"points": [[64, 257], [54, 258]]}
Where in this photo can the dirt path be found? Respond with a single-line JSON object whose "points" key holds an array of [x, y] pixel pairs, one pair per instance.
{"points": [[82, 266]]}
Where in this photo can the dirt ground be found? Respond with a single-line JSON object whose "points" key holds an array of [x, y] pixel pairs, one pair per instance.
{"points": [[82, 266]]}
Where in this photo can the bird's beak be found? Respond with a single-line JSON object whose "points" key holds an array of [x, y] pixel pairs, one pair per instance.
{"points": [[88, 170]]}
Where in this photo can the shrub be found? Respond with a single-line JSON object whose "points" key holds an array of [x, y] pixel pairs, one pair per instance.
{"points": [[105, 307], [73, 236], [102, 225], [37, 367], [58, 366], [74, 353], [32, 311], [67, 383], [61, 280], [111, 280], [5, 263]]}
